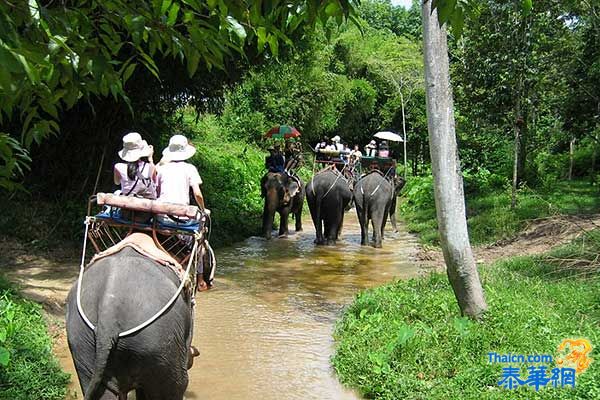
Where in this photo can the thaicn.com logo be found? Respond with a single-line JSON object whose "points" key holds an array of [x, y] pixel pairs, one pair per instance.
{"points": [[572, 359]]}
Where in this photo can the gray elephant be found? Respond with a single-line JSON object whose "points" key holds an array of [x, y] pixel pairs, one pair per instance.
{"points": [[285, 195], [120, 292], [398, 183], [373, 195], [328, 194]]}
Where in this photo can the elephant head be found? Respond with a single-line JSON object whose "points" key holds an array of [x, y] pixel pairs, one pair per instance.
{"points": [[290, 189], [399, 183], [281, 193]]}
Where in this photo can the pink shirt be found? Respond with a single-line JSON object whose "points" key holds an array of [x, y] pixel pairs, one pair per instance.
{"points": [[126, 183], [175, 180]]}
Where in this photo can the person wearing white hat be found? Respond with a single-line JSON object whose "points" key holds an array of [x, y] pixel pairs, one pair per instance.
{"points": [[371, 149], [176, 177], [336, 143], [137, 175]]}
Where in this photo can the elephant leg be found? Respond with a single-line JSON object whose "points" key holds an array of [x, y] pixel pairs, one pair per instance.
{"points": [[363, 226], [283, 222], [298, 217], [340, 224], [377, 219], [384, 222], [392, 211], [172, 388], [268, 216], [318, 223]]}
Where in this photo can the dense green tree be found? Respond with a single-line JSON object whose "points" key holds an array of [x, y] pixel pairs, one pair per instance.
{"points": [[56, 54]]}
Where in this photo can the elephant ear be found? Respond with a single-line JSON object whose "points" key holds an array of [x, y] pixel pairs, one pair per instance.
{"points": [[293, 188]]}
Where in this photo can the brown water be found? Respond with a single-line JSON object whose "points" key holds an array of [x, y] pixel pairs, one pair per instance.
{"points": [[265, 331]]}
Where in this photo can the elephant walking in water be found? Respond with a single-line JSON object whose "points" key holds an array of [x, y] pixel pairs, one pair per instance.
{"points": [[373, 195], [283, 194], [328, 194], [121, 291]]}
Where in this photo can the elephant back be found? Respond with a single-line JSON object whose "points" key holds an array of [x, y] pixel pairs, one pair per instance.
{"points": [[327, 181], [371, 183]]}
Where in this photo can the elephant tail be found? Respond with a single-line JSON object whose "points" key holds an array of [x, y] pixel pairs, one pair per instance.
{"points": [[106, 341]]}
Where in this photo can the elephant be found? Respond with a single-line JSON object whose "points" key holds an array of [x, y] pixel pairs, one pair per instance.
{"points": [[373, 195], [328, 194], [283, 194], [119, 292], [398, 183]]}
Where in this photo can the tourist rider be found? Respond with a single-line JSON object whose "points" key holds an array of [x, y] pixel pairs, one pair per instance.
{"points": [[336, 144], [275, 161], [355, 155], [176, 177], [384, 150], [371, 149], [137, 175]]}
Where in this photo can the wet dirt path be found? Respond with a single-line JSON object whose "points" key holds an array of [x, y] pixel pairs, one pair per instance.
{"points": [[265, 330]]}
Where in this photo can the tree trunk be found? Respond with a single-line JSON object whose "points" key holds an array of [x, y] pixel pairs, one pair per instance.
{"points": [[448, 185], [404, 131], [517, 153], [571, 151]]}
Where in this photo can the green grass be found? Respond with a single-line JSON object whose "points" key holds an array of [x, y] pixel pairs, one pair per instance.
{"points": [[490, 217], [407, 339], [32, 371]]}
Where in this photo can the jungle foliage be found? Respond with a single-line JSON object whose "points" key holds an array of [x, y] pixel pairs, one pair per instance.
{"points": [[58, 54]]}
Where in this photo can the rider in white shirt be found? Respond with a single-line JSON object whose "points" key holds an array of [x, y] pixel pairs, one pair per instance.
{"points": [[176, 177]]}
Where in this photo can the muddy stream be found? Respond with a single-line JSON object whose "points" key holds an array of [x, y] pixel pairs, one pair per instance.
{"points": [[265, 330]]}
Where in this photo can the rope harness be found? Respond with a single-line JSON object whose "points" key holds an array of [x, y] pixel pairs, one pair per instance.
{"points": [[378, 186], [332, 169], [152, 318]]}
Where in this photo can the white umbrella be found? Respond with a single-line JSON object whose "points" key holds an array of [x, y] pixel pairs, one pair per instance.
{"points": [[391, 136]]}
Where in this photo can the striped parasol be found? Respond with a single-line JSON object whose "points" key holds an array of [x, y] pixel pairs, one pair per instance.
{"points": [[282, 132]]}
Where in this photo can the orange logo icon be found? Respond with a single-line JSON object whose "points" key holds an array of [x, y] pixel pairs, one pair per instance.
{"points": [[574, 353]]}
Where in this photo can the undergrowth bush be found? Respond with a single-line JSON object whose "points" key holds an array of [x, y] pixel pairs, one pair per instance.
{"points": [[489, 214], [28, 369], [407, 339], [231, 171]]}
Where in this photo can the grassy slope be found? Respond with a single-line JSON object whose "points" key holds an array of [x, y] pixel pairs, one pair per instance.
{"points": [[32, 372], [406, 339], [490, 218]]}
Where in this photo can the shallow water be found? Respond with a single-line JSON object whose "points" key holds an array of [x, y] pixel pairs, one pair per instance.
{"points": [[265, 330]]}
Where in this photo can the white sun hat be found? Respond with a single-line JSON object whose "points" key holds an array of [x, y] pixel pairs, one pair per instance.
{"points": [[336, 138], [134, 147], [179, 149]]}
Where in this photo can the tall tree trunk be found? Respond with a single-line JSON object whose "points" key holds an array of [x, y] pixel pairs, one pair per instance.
{"points": [[404, 131], [571, 151], [448, 185], [517, 152]]}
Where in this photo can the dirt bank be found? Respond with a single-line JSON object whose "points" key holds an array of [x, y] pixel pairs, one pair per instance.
{"points": [[539, 236]]}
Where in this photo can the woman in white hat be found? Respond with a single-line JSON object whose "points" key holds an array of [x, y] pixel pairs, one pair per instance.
{"points": [[371, 149], [176, 177], [137, 175]]}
